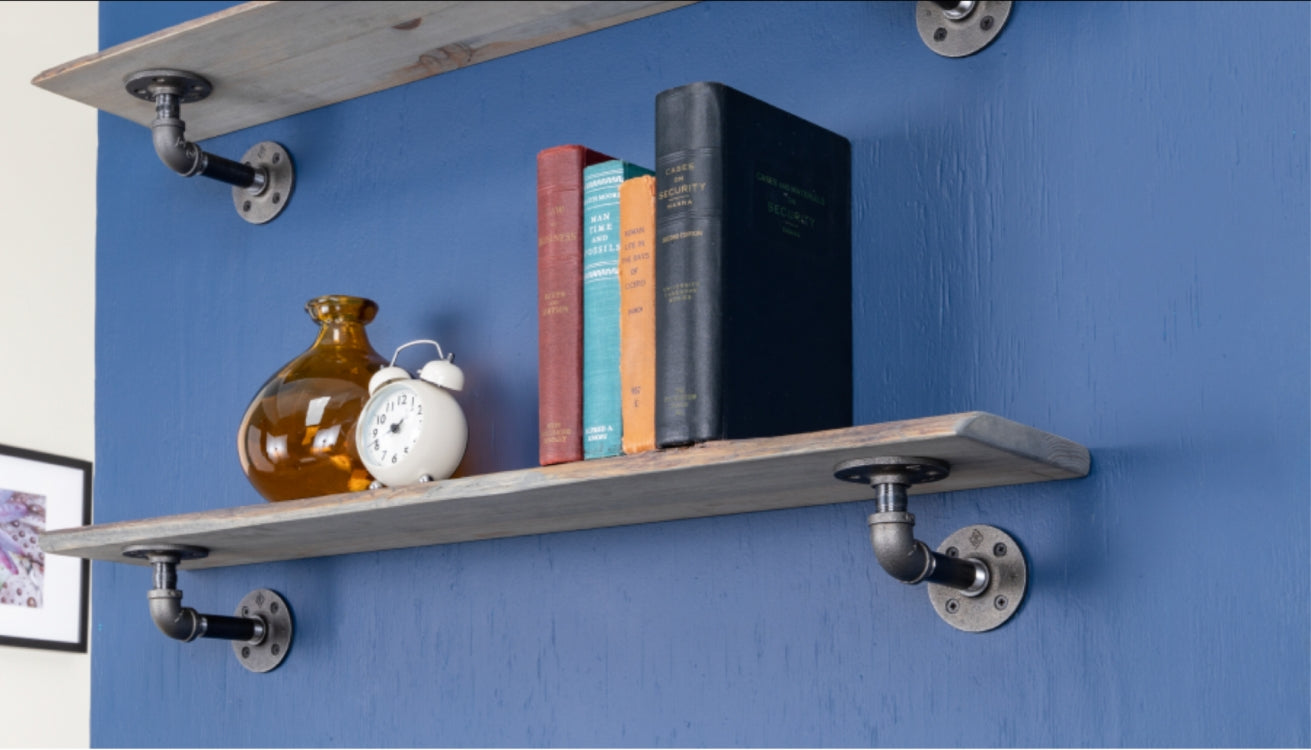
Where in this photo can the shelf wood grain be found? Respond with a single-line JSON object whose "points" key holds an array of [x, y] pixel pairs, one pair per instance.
{"points": [[269, 60], [718, 478]]}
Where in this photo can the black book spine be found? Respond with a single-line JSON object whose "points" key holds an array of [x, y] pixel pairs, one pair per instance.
{"points": [[689, 266], [753, 264]]}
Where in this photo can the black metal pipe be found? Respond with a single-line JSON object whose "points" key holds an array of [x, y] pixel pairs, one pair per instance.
{"points": [[226, 170], [958, 573], [231, 628]]}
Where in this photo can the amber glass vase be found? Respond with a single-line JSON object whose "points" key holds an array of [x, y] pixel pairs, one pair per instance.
{"points": [[298, 436]]}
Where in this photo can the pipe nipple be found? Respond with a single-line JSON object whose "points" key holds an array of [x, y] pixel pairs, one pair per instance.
{"points": [[982, 577]]}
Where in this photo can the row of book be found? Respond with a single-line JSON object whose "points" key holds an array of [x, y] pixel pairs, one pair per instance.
{"points": [[706, 298]]}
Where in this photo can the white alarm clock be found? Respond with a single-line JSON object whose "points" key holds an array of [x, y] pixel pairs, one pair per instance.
{"points": [[412, 430]]}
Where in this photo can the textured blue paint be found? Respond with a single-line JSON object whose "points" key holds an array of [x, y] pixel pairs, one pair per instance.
{"points": [[1098, 226]]}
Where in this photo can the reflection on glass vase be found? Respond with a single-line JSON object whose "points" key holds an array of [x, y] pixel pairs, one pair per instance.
{"points": [[298, 436]]}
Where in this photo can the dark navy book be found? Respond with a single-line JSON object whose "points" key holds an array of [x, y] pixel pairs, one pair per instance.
{"points": [[753, 269]]}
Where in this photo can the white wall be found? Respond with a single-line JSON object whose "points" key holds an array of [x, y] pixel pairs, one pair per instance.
{"points": [[47, 286]]}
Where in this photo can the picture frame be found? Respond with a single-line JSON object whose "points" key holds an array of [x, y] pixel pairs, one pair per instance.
{"points": [[43, 598]]}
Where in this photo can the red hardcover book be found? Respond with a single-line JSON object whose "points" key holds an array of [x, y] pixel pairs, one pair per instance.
{"points": [[560, 301]]}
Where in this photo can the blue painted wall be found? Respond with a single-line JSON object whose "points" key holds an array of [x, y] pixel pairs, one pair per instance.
{"points": [[1098, 226]]}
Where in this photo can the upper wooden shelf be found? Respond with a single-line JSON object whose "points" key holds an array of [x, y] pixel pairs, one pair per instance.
{"points": [[272, 59], [712, 479]]}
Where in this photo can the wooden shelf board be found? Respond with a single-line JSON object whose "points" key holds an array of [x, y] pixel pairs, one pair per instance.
{"points": [[712, 479], [272, 59]]}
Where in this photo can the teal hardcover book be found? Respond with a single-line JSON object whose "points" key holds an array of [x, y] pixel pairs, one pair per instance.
{"points": [[602, 423]]}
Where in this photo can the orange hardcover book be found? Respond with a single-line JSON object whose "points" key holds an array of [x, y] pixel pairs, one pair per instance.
{"points": [[637, 312]]}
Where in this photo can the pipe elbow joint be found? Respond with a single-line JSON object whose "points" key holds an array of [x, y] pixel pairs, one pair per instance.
{"points": [[173, 620], [173, 149], [901, 555]]}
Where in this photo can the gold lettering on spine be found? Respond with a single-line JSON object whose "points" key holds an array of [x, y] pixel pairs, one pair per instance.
{"points": [[686, 189], [675, 237], [547, 239], [683, 292], [679, 401], [553, 304], [683, 191], [556, 432]]}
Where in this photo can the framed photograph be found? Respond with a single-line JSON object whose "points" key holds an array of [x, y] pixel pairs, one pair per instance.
{"points": [[43, 598]]}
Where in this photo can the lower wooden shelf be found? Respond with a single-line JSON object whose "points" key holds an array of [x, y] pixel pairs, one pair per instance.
{"points": [[712, 479]]}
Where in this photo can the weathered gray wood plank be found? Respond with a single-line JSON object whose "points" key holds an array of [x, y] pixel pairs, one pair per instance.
{"points": [[718, 478], [269, 60]]}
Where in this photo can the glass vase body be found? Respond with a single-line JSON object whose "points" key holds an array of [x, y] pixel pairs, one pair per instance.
{"points": [[297, 438]]}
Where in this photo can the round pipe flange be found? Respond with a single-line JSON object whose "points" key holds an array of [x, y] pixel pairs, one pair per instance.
{"points": [[180, 551], [267, 606], [264, 204], [1008, 576], [187, 86], [892, 470], [960, 31]]}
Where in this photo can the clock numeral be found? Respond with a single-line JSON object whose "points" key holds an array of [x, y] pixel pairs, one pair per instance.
{"points": [[382, 418], [393, 459]]}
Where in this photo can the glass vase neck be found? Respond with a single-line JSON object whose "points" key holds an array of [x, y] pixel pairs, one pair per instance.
{"points": [[339, 307], [341, 319]]}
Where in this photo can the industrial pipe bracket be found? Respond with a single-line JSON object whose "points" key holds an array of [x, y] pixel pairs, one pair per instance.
{"points": [[261, 182], [959, 28], [260, 632], [977, 577]]}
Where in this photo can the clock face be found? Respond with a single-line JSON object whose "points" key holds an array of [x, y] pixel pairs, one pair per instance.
{"points": [[391, 425]]}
